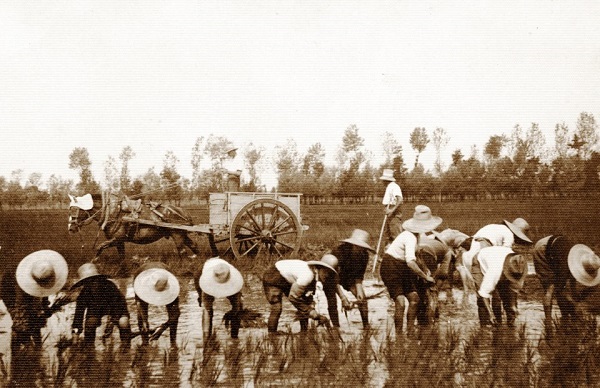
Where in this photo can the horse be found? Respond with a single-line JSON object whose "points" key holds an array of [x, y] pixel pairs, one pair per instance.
{"points": [[108, 211]]}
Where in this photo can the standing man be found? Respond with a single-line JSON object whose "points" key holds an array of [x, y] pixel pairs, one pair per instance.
{"points": [[219, 279], [499, 274], [232, 168], [154, 284], [392, 201]]}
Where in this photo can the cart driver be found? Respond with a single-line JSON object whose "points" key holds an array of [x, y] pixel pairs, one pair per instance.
{"points": [[232, 169]]}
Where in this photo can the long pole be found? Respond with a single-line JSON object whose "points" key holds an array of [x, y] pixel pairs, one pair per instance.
{"points": [[376, 258]]}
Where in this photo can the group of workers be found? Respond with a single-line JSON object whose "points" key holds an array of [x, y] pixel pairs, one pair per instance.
{"points": [[416, 260]]}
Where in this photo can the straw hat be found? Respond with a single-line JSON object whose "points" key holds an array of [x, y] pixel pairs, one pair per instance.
{"points": [[451, 237], [388, 175], [156, 286], [422, 221], [42, 273], [584, 265], [327, 261], [86, 271], [220, 279], [515, 269], [519, 227], [359, 238], [231, 150]]}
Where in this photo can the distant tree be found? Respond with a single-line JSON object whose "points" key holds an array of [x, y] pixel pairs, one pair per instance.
{"points": [[587, 132], [79, 160], [152, 185], [15, 194], [536, 142], [3, 186], [287, 161], [253, 156], [214, 150], [124, 179], [111, 175], [440, 141], [313, 163], [391, 148], [493, 148], [418, 141], [457, 157], [170, 178], [197, 156], [561, 140], [58, 189], [352, 183]]}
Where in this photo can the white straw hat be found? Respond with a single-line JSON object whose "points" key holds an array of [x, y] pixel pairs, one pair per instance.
{"points": [[42, 273], [387, 175], [422, 221], [519, 227], [359, 238], [327, 261], [584, 265], [156, 286], [220, 279]]}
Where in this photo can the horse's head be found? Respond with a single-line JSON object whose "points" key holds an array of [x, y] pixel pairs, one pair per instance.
{"points": [[82, 210]]}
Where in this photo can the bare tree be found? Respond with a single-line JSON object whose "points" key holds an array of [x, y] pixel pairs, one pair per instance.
{"points": [[440, 141]]}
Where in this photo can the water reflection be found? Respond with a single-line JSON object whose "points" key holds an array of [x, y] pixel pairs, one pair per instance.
{"points": [[257, 357]]}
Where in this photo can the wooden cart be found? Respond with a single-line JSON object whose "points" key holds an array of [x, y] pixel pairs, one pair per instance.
{"points": [[249, 224]]}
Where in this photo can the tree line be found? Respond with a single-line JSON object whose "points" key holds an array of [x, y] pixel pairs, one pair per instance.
{"points": [[509, 166]]}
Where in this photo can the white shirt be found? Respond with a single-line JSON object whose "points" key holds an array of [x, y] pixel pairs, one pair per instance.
{"points": [[498, 234], [296, 271], [391, 192], [403, 247], [235, 164], [491, 261]]}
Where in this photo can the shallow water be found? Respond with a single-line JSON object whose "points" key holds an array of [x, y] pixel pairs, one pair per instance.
{"points": [[158, 365]]}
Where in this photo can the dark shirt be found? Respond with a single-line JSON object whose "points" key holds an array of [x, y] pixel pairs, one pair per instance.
{"points": [[99, 296], [352, 264], [27, 312]]}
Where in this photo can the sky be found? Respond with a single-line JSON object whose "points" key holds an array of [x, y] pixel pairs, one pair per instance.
{"points": [[156, 75]]}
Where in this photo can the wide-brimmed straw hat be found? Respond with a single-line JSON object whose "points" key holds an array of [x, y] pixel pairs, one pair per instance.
{"points": [[327, 261], [220, 279], [42, 273], [359, 238], [515, 269], [156, 286], [519, 227], [422, 221], [387, 175], [87, 271], [584, 265], [451, 237]]}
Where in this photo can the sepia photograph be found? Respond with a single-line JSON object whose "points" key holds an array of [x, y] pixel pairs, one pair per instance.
{"points": [[392, 193]]}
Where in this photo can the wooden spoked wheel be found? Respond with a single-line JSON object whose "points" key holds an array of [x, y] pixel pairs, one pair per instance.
{"points": [[265, 227]]}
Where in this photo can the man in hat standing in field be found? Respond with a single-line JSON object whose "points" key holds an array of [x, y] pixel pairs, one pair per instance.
{"points": [[154, 284], [297, 279], [232, 168], [25, 290], [392, 201], [400, 271], [508, 234], [499, 274], [353, 257], [98, 297], [219, 279]]}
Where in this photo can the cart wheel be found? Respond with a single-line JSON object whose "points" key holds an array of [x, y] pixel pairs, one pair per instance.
{"points": [[265, 226]]}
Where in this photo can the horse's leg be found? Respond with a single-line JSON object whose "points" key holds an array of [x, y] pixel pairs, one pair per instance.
{"points": [[123, 268], [178, 239], [191, 244], [106, 244]]}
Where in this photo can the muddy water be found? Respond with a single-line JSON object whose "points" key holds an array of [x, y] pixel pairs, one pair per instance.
{"points": [[158, 365]]}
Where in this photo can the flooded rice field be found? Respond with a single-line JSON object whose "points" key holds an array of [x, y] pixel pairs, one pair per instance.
{"points": [[449, 349]]}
